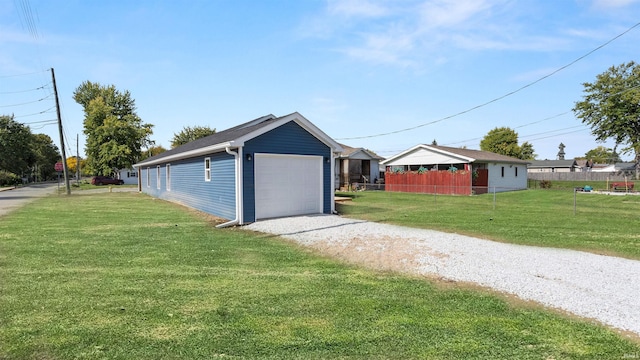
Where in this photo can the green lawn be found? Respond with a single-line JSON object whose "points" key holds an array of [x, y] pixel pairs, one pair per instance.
{"points": [[124, 276], [604, 224]]}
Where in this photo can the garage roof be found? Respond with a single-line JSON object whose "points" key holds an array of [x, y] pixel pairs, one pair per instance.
{"points": [[236, 136]]}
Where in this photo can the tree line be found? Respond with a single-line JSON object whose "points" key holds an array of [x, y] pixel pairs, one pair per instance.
{"points": [[25, 156]]}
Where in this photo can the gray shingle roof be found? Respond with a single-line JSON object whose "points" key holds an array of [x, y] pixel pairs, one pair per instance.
{"points": [[552, 163], [219, 137], [479, 155]]}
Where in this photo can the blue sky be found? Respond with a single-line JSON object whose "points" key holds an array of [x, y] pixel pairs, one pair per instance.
{"points": [[357, 69]]}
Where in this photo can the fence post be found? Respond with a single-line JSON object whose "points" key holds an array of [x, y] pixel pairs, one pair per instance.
{"points": [[575, 192], [494, 198]]}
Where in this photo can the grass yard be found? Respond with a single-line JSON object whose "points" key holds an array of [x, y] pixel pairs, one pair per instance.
{"points": [[123, 276], [603, 224]]}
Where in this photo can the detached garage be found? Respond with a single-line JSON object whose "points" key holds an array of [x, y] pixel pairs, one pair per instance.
{"points": [[265, 168]]}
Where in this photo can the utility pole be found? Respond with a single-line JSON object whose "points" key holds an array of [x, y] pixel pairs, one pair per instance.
{"points": [[64, 154]]}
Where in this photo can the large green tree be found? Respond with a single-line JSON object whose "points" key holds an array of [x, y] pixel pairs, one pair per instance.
{"points": [[115, 133], [16, 153], [188, 134], [611, 107], [504, 141]]}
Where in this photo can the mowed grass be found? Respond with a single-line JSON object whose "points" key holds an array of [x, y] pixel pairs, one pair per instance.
{"points": [[599, 223], [123, 276]]}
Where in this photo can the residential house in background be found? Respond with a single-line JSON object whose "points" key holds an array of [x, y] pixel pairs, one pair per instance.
{"points": [[129, 176], [356, 165], [472, 171], [536, 166]]}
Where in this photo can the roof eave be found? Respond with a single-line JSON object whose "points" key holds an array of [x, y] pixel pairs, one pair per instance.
{"points": [[187, 154]]}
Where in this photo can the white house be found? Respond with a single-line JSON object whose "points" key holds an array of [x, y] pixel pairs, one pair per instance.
{"points": [[491, 172]]}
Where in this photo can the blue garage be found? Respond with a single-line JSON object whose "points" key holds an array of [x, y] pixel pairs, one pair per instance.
{"points": [[265, 168]]}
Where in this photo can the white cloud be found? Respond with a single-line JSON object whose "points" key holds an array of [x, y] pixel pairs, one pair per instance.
{"points": [[448, 13], [603, 4], [357, 8]]}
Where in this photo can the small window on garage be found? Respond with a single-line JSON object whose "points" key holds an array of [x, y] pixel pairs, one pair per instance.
{"points": [[158, 177], [148, 177], [207, 169], [503, 171], [516, 171], [168, 177]]}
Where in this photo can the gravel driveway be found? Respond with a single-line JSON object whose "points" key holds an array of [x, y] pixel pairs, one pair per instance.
{"points": [[603, 288]]}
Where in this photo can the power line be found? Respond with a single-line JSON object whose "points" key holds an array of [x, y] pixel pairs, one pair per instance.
{"points": [[26, 103], [38, 113], [21, 91], [500, 97], [27, 14]]}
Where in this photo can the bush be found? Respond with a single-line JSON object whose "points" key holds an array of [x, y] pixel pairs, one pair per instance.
{"points": [[545, 184], [9, 179]]}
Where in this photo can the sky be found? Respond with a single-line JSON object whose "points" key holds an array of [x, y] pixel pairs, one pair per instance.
{"points": [[382, 75]]}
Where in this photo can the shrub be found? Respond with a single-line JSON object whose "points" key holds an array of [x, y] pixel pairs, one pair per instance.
{"points": [[9, 179], [545, 184]]}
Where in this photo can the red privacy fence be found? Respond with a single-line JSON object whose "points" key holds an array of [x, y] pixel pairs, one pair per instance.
{"points": [[430, 182]]}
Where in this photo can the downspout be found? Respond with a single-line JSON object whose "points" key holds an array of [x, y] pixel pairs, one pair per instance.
{"points": [[238, 170], [333, 183]]}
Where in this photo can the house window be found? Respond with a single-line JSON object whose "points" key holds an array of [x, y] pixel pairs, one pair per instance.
{"points": [[207, 169], [158, 177], [148, 177], [503, 171], [132, 174], [168, 177], [516, 171]]}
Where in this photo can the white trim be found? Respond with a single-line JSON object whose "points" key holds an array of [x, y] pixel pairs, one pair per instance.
{"points": [[390, 161], [186, 154], [298, 119], [148, 177], [238, 174]]}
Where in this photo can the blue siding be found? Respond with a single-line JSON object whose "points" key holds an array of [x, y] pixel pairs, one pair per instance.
{"points": [[188, 185], [290, 139]]}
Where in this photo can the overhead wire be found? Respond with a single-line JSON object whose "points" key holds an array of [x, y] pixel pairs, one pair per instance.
{"points": [[500, 97]]}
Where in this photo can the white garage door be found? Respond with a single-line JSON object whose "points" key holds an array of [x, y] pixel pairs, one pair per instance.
{"points": [[287, 185]]}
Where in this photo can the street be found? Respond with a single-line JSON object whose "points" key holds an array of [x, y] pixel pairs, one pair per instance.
{"points": [[14, 198]]}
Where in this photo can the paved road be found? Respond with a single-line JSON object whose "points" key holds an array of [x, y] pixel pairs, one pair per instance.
{"points": [[14, 198]]}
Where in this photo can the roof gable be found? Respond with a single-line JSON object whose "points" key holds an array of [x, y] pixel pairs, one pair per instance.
{"points": [[358, 153], [436, 154]]}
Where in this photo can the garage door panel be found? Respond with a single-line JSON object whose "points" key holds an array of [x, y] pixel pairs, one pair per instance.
{"points": [[287, 185]]}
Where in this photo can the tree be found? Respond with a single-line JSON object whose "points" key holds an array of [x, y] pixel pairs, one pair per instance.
{"points": [[46, 154], [602, 155], [16, 153], [188, 134], [526, 151], [611, 107], [152, 151], [504, 141], [72, 165], [115, 133]]}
